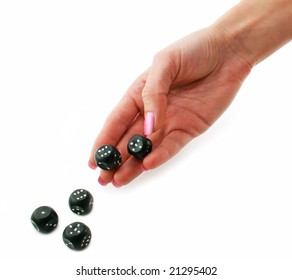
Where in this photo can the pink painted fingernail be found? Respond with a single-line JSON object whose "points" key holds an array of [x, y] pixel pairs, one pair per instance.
{"points": [[116, 184], [143, 167], [149, 123], [101, 182], [92, 165]]}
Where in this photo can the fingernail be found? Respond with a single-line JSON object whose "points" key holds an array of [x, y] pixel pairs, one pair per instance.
{"points": [[143, 167], [149, 123], [116, 184], [92, 165], [101, 182]]}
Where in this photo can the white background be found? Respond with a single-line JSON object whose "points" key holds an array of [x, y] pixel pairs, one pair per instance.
{"points": [[224, 201]]}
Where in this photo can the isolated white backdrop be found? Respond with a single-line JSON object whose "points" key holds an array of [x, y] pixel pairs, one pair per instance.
{"points": [[225, 200]]}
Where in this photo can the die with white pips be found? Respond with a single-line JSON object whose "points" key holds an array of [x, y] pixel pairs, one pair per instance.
{"points": [[81, 202], [44, 219]]}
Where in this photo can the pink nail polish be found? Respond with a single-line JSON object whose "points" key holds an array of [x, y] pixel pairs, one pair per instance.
{"points": [[116, 184], [101, 182], [92, 165], [149, 123], [144, 168]]}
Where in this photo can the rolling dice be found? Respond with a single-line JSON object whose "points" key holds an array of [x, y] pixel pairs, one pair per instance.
{"points": [[139, 146], [44, 219], [107, 157], [81, 202], [77, 236]]}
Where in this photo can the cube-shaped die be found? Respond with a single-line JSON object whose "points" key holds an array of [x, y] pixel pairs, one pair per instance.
{"points": [[139, 146], [77, 236], [107, 157], [44, 219], [81, 202]]}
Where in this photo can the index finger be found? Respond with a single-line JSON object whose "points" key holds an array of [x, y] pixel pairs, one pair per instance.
{"points": [[120, 118]]}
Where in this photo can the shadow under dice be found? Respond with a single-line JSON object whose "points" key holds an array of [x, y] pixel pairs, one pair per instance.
{"points": [[107, 157]]}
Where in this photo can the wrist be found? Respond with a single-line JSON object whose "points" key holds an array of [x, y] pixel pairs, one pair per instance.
{"points": [[255, 29]]}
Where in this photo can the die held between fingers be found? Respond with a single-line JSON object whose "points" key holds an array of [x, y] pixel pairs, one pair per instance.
{"points": [[107, 157], [139, 146]]}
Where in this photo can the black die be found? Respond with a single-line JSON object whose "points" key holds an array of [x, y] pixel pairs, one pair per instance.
{"points": [[107, 157], [81, 202], [44, 219], [139, 146], [77, 236]]}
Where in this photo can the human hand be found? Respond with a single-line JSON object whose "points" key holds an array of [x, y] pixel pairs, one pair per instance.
{"points": [[188, 86]]}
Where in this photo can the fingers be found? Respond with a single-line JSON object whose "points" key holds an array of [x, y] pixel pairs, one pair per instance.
{"points": [[115, 126], [163, 150], [155, 91], [118, 120], [107, 176], [169, 147], [131, 169], [126, 119]]}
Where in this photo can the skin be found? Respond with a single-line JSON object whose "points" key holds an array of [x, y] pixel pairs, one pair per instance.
{"points": [[191, 83]]}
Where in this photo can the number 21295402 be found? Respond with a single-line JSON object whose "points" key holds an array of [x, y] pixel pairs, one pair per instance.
{"points": [[184, 270]]}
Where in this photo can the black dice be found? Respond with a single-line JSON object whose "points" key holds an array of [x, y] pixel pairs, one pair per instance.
{"points": [[81, 201], [107, 157], [139, 146], [77, 236], [44, 219]]}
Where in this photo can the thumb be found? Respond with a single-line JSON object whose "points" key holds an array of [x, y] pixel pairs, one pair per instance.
{"points": [[154, 95]]}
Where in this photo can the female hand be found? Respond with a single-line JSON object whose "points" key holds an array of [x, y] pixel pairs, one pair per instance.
{"points": [[186, 89]]}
